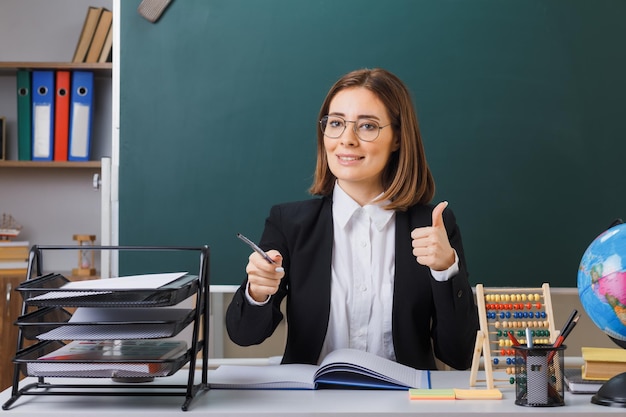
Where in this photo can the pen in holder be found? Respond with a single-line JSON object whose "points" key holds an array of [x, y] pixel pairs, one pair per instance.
{"points": [[539, 375]]}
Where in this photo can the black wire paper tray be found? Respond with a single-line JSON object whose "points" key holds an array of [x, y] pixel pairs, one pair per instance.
{"points": [[30, 365], [56, 323], [47, 291]]}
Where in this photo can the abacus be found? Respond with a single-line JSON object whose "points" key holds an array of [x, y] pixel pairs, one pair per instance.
{"points": [[504, 315]]}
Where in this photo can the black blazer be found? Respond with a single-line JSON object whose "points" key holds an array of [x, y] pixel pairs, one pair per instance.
{"points": [[430, 318]]}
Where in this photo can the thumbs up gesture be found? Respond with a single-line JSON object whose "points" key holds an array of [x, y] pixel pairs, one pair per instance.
{"points": [[431, 246]]}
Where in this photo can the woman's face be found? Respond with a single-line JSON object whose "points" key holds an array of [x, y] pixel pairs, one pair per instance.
{"points": [[358, 165]]}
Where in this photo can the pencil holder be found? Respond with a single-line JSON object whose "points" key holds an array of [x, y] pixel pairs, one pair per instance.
{"points": [[539, 376]]}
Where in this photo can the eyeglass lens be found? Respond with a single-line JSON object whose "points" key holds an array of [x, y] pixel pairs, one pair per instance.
{"points": [[365, 129]]}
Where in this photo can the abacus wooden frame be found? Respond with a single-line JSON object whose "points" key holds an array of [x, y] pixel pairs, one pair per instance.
{"points": [[483, 339]]}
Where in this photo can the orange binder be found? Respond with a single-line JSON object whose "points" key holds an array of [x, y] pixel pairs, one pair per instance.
{"points": [[62, 115]]}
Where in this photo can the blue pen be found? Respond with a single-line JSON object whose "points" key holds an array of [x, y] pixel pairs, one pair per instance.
{"points": [[258, 250]]}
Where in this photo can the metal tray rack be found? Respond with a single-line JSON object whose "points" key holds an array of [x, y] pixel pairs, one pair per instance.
{"points": [[47, 320], [52, 284]]}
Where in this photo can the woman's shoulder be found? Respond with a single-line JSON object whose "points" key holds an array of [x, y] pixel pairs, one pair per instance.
{"points": [[302, 207], [301, 216]]}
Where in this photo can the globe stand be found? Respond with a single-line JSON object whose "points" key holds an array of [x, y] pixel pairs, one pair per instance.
{"points": [[612, 393]]}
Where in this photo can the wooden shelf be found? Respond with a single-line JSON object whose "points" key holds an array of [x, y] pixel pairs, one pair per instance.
{"points": [[9, 68], [50, 164]]}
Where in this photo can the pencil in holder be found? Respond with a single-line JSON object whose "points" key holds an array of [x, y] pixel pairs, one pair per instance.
{"points": [[539, 375]]}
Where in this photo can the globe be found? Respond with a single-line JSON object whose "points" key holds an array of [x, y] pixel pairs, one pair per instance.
{"points": [[602, 282], [602, 292]]}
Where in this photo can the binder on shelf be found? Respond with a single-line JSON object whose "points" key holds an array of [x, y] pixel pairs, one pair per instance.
{"points": [[81, 111], [62, 115], [86, 34], [43, 114], [24, 116], [99, 36]]}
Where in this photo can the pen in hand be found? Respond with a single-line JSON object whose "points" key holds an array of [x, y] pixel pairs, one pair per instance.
{"points": [[260, 251]]}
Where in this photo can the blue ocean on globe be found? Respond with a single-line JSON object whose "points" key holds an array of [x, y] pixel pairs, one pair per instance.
{"points": [[602, 282]]}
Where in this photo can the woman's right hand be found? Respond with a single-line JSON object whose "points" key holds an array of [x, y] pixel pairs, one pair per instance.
{"points": [[264, 277]]}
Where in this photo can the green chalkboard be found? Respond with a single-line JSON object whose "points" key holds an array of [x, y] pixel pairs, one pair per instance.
{"points": [[521, 105]]}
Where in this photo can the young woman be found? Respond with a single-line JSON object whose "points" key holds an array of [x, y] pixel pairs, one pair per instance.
{"points": [[370, 264]]}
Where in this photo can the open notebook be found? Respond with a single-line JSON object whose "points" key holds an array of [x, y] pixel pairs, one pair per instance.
{"points": [[341, 368]]}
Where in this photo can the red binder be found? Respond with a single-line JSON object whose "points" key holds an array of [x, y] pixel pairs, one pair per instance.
{"points": [[62, 115]]}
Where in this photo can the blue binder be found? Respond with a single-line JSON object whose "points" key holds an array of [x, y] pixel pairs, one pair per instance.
{"points": [[43, 115], [81, 112]]}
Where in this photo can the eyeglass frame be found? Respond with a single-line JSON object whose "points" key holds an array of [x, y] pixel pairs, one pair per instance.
{"points": [[353, 127]]}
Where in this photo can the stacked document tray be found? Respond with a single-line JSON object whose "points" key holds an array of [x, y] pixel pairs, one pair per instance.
{"points": [[130, 328], [99, 317]]}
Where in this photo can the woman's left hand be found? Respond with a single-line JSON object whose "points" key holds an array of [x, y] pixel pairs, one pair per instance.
{"points": [[431, 246]]}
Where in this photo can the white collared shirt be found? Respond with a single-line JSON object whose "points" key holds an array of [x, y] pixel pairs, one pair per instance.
{"points": [[363, 268]]}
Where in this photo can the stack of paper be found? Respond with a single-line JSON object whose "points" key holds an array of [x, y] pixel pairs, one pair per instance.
{"points": [[577, 385]]}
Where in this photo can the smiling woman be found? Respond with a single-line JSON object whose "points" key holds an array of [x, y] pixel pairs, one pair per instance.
{"points": [[358, 163], [370, 264]]}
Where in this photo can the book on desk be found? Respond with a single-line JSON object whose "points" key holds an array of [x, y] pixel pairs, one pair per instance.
{"points": [[603, 363], [340, 368]]}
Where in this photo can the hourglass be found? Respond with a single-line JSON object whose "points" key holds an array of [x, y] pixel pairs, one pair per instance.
{"points": [[85, 255]]}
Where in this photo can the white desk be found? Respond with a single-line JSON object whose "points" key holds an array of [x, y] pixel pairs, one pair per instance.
{"points": [[268, 403]]}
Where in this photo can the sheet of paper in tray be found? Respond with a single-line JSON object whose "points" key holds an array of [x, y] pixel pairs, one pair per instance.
{"points": [[107, 285]]}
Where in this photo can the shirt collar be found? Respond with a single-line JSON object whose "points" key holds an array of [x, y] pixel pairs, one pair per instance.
{"points": [[344, 208]]}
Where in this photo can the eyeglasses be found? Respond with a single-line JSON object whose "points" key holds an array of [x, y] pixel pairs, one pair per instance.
{"points": [[366, 130]]}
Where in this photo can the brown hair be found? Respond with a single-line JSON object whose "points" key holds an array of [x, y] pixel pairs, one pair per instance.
{"points": [[407, 179]]}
